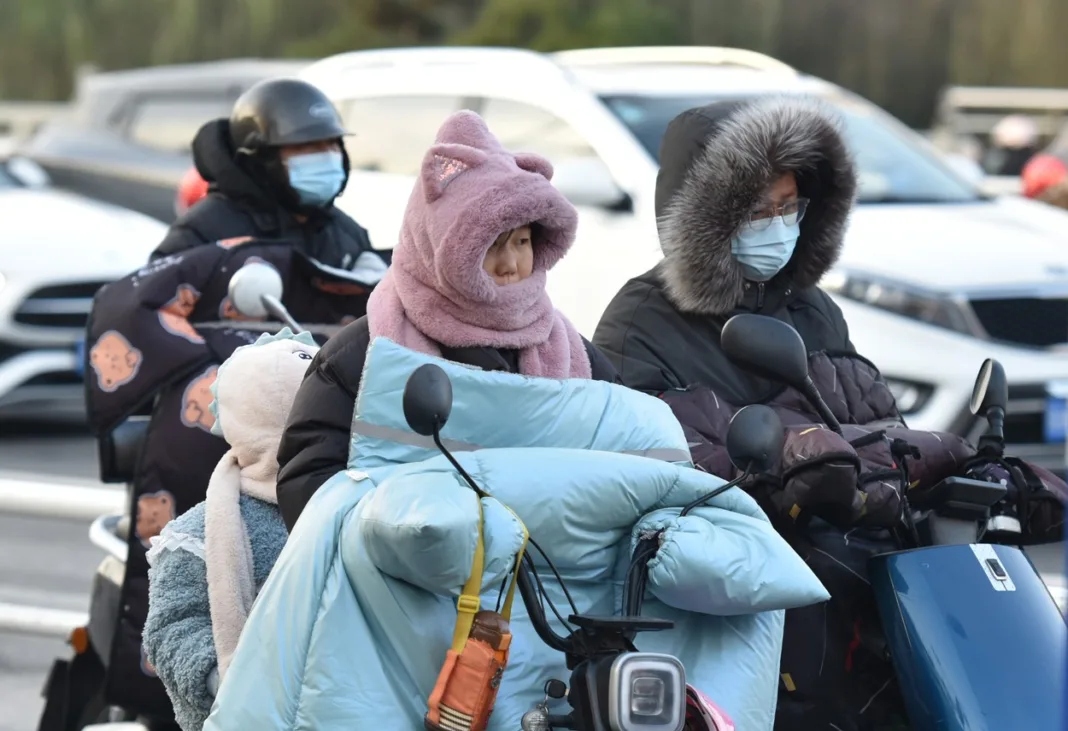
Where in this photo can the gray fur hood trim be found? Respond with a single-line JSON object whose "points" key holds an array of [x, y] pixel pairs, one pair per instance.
{"points": [[704, 194]]}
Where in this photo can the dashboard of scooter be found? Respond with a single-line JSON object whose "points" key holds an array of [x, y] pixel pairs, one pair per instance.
{"points": [[961, 510]]}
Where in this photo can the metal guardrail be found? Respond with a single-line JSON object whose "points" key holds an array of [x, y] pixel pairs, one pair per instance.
{"points": [[82, 501], [39, 621], [65, 501]]}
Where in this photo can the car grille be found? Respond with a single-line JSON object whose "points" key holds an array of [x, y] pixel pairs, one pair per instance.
{"points": [[1025, 321], [64, 305], [9, 351]]}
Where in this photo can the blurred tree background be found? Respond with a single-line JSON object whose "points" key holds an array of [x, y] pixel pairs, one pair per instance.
{"points": [[899, 53]]}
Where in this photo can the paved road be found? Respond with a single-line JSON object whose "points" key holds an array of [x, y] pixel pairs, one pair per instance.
{"points": [[42, 563], [51, 562]]}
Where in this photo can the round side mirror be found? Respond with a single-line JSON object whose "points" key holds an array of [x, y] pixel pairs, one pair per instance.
{"points": [[755, 439], [767, 347], [250, 284], [427, 400], [991, 388]]}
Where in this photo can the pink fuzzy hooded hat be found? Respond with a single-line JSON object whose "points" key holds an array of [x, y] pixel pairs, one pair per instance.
{"points": [[471, 190]]}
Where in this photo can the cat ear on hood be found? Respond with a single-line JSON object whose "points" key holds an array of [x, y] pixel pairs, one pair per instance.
{"points": [[443, 163], [534, 164]]}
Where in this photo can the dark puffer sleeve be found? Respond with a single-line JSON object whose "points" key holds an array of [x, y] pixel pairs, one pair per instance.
{"points": [[627, 335], [705, 419], [601, 369], [315, 444]]}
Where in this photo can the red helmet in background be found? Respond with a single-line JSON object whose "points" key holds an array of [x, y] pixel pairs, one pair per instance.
{"points": [[1041, 172], [190, 190]]}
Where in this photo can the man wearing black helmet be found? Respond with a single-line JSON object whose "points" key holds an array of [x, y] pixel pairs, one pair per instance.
{"points": [[274, 169]]}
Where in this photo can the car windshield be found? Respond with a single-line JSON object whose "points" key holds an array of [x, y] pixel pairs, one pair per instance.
{"points": [[892, 168], [6, 181]]}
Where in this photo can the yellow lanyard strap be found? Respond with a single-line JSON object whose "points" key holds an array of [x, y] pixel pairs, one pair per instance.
{"points": [[468, 605]]}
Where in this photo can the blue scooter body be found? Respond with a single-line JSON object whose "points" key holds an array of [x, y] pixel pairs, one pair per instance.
{"points": [[973, 652]]}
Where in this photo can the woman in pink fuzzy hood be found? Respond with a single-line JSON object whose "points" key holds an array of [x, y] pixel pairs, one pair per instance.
{"points": [[482, 229]]}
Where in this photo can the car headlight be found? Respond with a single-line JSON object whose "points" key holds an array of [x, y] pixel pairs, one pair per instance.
{"points": [[646, 692], [929, 307], [911, 396]]}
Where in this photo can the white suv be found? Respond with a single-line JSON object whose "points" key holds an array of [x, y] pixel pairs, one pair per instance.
{"points": [[56, 250], [933, 278]]}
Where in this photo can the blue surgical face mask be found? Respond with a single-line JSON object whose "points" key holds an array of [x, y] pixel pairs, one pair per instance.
{"points": [[762, 254], [317, 177]]}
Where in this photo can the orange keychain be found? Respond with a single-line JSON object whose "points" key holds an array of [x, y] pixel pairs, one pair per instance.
{"points": [[466, 689]]}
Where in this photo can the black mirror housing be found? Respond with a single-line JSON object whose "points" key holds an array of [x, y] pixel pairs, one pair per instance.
{"points": [[427, 400]]}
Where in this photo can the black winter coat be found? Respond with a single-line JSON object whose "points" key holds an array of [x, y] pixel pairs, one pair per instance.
{"points": [[315, 445], [657, 348], [237, 205]]}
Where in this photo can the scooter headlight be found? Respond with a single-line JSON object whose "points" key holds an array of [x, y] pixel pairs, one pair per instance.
{"points": [[646, 692]]}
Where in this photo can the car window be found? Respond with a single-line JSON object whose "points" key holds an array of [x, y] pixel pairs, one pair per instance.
{"points": [[170, 123], [892, 166], [1059, 146], [392, 134], [525, 128]]}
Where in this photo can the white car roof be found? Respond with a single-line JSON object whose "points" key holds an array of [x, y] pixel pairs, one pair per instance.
{"points": [[678, 80], [444, 68], [689, 70]]}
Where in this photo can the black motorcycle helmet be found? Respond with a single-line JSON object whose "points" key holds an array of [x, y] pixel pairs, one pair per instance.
{"points": [[276, 113]]}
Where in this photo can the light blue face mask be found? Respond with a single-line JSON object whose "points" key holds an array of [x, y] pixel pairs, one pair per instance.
{"points": [[317, 177], [762, 254]]}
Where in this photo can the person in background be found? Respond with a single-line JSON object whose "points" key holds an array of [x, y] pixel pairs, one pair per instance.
{"points": [[1045, 176], [190, 191], [273, 171], [1014, 141]]}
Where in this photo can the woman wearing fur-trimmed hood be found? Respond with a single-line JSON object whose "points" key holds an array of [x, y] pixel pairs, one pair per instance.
{"points": [[752, 201]]}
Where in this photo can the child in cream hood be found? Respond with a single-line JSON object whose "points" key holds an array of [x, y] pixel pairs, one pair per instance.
{"points": [[208, 565]]}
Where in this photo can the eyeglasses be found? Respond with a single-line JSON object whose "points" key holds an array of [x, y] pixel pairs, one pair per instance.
{"points": [[791, 213]]}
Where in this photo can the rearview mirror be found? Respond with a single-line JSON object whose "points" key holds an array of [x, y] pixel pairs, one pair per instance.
{"points": [[27, 172], [587, 181], [427, 400], [755, 439], [771, 349], [991, 388], [766, 347], [250, 285]]}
